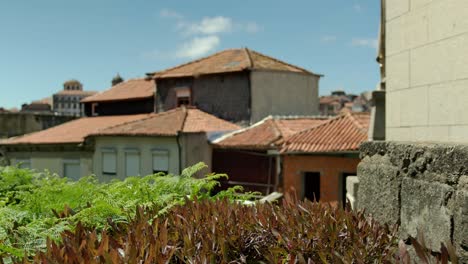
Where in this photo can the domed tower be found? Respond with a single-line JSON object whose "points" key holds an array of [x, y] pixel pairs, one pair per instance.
{"points": [[74, 85], [116, 80]]}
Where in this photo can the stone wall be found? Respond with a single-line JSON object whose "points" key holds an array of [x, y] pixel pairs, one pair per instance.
{"points": [[15, 124], [427, 70], [420, 187]]}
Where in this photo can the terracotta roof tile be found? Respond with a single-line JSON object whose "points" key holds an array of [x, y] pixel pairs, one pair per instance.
{"points": [[169, 123], [343, 133], [231, 60], [267, 133], [72, 132], [127, 90]]}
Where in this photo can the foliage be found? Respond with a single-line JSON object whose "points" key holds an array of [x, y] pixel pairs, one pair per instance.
{"points": [[35, 207], [225, 232]]}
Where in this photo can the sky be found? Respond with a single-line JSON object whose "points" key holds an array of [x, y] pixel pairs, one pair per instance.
{"points": [[45, 43]]}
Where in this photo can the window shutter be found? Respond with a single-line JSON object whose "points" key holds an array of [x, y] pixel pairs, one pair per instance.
{"points": [[109, 162], [132, 163], [72, 170], [160, 161]]}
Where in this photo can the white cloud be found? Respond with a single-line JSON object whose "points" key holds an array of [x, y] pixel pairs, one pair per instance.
{"points": [[358, 8], [198, 46], [207, 26], [328, 39], [252, 27], [167, 13], [364, 42]]}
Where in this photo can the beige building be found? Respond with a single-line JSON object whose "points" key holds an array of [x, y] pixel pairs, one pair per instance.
{"points": [[426, 67], [67, 101], [114, 147]]}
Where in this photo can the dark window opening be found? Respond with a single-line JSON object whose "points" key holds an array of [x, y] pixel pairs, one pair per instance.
{"points": [[183, 101], [312, 186]]}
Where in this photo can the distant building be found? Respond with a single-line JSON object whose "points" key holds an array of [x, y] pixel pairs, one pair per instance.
{"points": [[39, 106], [239, 85], [67, 101], [134, 96], [339, 101]]}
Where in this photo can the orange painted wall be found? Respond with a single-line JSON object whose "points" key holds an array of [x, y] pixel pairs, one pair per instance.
{"points": [[330, 168]]}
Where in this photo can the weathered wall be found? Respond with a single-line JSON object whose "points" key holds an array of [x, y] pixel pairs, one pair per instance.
{"points": [[53, 161], [427, 70], [15, 124], [283, 93], [195, 148], [145, 146], [419, 186], [224, 95], [331, 170]]}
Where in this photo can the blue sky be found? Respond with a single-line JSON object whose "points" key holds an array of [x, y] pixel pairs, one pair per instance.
{"points": [[44, 43]]}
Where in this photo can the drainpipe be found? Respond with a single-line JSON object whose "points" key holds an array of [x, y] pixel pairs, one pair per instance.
{"points": [[179, 146]]}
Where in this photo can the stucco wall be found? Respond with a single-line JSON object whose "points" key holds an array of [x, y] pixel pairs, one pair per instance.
{"points": [[15, 124], [224, 95], [195, 148], [418, 186], [283, 93], [145, 146], [331, 169], [54, 161], [427, 70]]}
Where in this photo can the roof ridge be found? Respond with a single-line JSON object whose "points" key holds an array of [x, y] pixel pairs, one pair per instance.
{"points": [[294, 117], [154, 74], [283, 62], [233, 133], [249, 57]]}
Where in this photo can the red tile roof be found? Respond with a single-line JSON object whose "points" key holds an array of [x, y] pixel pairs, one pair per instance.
{"points": [[128, 90], [343, 133], [72, 132], [268, 133], [170, 123], [231, 60]]}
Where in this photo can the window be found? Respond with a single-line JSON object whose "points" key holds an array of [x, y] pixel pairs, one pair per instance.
{"points": [[109, 162], [132, 162], [183, 101], [312, 186], [71, 169], [23, 163], [160, 161], [183, 95]]}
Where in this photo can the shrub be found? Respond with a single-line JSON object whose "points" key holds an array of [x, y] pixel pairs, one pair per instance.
{"points": [[30, 203], [226, 232]]}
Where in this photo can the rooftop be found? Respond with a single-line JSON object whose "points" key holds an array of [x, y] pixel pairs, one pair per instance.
{"points": [[231, 60], [127, 90], [342, 133], [268, 133], [72, 132], [170, 123]]}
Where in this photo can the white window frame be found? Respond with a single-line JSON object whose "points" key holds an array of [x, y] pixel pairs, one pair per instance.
{"points": [[132, 151], [160, 153], [105, 151]]}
